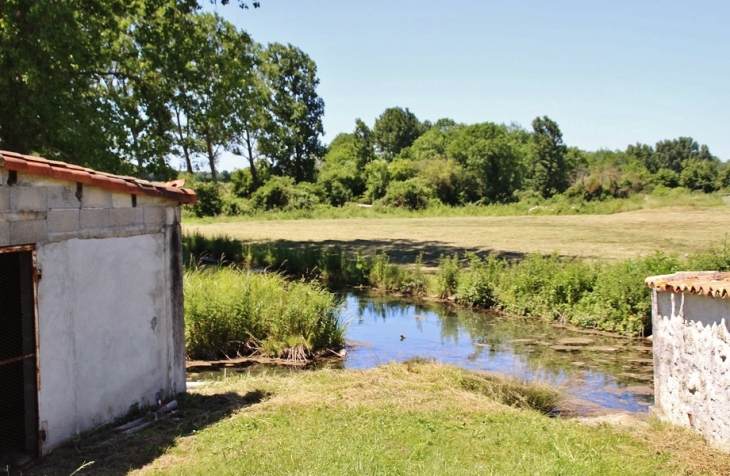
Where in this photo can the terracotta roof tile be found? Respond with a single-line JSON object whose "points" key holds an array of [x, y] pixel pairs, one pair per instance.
{"points": [[74, 173], [707, 283]]}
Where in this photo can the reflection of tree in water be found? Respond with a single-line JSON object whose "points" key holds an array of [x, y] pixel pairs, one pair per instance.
{"points": [[493, 334]]}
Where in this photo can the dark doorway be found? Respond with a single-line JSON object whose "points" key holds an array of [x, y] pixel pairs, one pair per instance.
{"points": [[18, 384]]}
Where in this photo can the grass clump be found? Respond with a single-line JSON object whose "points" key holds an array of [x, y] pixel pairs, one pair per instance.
{"points": [[229, 312]]}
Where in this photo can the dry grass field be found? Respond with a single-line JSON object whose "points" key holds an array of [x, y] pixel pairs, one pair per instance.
{"points": [[672, 229]]}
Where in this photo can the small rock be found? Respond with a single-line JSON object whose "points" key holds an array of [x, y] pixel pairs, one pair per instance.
{"points": [[565, 348], [578, 364], [601, 348], [640, 390], [521, 341], [575, 341]]}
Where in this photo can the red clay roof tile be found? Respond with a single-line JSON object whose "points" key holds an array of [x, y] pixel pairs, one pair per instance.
{"points": [[706, 283], [74, 173]]}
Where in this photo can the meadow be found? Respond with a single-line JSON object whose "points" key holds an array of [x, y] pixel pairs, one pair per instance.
{"points": [[675, 229]]}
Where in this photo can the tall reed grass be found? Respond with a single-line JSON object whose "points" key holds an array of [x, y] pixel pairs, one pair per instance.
{"points": [[603, 295], [230, 312]]}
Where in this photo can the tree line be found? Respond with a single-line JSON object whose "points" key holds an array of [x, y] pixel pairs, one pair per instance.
{"points": [[128, 86], [405, 162]]}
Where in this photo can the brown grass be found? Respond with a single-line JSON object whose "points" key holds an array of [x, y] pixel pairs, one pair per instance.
{"points": [[612, 237]]}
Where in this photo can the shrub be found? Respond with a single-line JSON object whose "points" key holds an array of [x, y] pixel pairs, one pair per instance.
{"points": [[280, 193], [410, 194], [210, 202], [448, 276]]}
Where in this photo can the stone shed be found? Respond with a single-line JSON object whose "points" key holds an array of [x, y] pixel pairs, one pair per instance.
{"points": [[691, 314], [91, 305]]}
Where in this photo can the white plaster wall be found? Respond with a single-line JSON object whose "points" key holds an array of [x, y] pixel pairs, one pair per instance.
{"points": [[104, 331], [692, 363]]}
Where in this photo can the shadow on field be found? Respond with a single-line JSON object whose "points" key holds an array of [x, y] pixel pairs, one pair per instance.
{"points": [[106, 452], [400, 251]]}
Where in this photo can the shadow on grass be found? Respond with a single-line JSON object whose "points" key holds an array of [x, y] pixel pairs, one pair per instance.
{"points": [[399, 251], [105, 452]]}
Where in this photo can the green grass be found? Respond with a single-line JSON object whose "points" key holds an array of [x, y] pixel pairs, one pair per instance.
{"points": [[411, 418], [556, 206], [230, 312]]}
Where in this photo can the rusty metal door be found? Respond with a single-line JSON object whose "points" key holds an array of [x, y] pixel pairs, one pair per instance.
{"points": [[18, 363]]}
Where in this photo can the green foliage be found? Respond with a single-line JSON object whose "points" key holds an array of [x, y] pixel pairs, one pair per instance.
{"points": [[210, 202], [395, 129], [242, 183], [386, 276], [548, 167], [230, 312], [477, 286], [280, 193], [699, 175], [290, 139], [410, 194], [447, 278]]}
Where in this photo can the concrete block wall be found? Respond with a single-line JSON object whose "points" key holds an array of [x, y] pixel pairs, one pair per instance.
{"points": [[692, 363], [41, 210]]}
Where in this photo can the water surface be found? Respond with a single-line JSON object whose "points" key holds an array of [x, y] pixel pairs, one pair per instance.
{"points": [[607, 371]]}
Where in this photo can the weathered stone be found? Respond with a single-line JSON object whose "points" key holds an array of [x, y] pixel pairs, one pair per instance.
{"points": [[27, 232], [63, 196], [4, 198], [124, 217], [28, 198], [691, 364], [95, 197], [566, 348], [94, 218], [121, 200], [575, 341], [63, 221], [4, 233], [154, 215]]}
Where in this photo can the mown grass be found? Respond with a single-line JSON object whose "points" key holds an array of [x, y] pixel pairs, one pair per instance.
{"points": [[230, 312], [681, 229], [411, 418]]}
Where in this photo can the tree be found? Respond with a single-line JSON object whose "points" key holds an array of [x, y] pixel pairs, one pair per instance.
{"points": [[671, 154], [52, 56], [487, 152], [645, 154], [212, 86], [290, 139], [548, 169], [394, 130], [699, 174]]}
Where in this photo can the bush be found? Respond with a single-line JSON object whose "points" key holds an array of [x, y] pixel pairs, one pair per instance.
{"points": [[280, 193], [210, 202], [447, 278], [411, 195]]}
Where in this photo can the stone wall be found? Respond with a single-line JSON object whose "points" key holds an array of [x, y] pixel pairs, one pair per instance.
{"points": [[40, 210], [692, 363]]}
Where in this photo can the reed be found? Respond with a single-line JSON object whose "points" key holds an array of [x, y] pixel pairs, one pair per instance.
{"points": [[230, 312]]}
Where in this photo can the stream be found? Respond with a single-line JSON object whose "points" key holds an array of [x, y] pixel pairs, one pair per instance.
{"points": [[601, 370], [598, 372]]}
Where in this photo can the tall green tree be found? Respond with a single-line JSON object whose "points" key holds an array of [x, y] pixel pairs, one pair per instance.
{"points": [[494, 161], [52, 56], [394, 130], [291, 138], [548, 168], [671, 154]]}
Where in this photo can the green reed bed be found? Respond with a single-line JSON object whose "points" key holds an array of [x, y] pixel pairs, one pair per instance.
{"points": [[230, 311], [603, 295]]}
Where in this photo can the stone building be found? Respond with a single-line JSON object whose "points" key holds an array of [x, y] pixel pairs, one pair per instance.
{"points": [[691, 314], [91, 316]]}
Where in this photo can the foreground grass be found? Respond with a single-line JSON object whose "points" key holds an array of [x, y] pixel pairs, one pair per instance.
{"points": [[680, 229], [411, 418]]}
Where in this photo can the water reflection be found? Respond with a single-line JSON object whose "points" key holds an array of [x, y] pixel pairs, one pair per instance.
{"points": [[605, 370]]}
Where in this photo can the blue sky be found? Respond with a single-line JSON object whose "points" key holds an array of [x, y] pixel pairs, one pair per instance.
{"points": [[609, 73]]}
